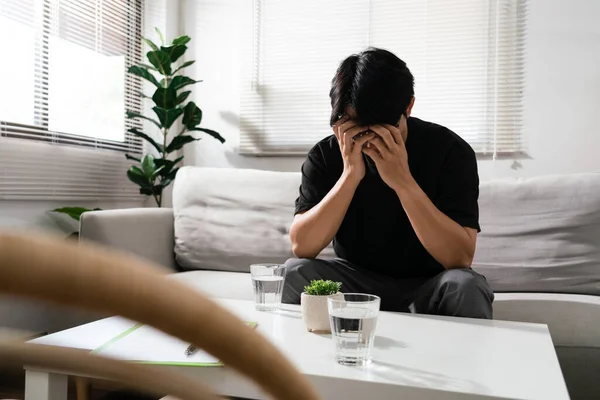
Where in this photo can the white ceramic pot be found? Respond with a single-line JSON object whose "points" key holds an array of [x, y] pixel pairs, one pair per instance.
{"points": [[314, 312]]}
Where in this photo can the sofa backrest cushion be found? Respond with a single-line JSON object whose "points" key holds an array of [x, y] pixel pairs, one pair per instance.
{"points": [[227, 219], [541, 234]]}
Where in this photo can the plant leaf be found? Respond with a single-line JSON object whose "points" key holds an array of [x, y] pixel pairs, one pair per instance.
{"points": [[179, 141], [210, 132], [136, 132], [174, 51], [143, 73], [192, 115], [136, 175], [181, 40], [185, 64], [165, 97], [127, 156], [160, 35], [167, 116], [180, 81], [150, 44], [150, 67], [161, 61], [131, 114], [146, 191], [157, 172], [148, 166], [73, 212], [182, 97]]}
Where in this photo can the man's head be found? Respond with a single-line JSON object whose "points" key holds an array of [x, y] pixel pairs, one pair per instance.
{"points": [[374, 86]]}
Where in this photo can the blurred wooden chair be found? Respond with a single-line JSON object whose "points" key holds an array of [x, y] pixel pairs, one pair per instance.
{"points": [[95, 278]]}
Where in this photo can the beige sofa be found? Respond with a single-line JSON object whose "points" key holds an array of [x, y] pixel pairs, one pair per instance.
{"points": [[539, 247]]}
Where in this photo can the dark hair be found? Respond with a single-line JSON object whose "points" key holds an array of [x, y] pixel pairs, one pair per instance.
{"points": [[376, 83]]}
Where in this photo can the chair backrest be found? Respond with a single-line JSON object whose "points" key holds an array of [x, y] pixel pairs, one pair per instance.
{"points": [[95, 278]]}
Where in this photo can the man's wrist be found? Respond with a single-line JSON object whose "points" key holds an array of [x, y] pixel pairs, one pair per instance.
{"points": [[405, 187], [350, 179]]}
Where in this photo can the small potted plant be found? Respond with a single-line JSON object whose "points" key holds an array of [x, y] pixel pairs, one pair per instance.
{"points": [[314, 304]]}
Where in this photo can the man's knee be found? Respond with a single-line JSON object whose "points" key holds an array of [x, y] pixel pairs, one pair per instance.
{"points": [[298, 273], [300, 266], [465, 293]]}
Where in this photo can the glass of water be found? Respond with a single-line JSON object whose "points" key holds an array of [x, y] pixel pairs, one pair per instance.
{"points": [[267, 281], [353, 319]]}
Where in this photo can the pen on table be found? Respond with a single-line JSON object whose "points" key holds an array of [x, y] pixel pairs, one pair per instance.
{"points": [[191, 350]]}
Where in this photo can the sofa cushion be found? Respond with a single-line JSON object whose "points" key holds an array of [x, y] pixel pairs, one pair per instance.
{"points": [[541, 234], [221, 284], [227, 219]]}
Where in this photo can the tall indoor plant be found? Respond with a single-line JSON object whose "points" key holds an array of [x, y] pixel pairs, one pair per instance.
{"points": [[154, 173]]}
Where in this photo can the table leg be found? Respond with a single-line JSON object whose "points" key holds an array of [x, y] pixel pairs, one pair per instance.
{"points": [[45, 386], [83, 388]]}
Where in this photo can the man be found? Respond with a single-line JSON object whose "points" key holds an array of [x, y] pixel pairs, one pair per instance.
{"points": [[397, 195]]}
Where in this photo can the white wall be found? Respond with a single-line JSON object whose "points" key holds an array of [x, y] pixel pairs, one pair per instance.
{"points": [[561, 99]]}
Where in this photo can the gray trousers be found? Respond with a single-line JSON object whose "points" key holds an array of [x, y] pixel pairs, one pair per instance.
{"points": [[455, 292]]}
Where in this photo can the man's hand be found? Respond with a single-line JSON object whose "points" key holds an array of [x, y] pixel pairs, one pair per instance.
{"points": [[345, 130], [388, 152]]}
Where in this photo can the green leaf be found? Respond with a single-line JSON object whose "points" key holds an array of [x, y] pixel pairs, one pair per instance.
{"points": [[210, 132], [185, 64], [146, 191], [167, 164], [192, 115], [174, 52], [74, 212], [167, 117], [180, 81], [182, 97], [160, 35], [138, 133], [179, 141], [127, 156], [150, 44], [148, 166], [144, 73], [136, 175], [131, 114], [161, 61], [181, 40], [157, 172], [150, 67], [165, 98], [322, 288]]}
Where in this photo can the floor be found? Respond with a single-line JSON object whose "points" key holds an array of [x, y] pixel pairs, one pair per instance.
{"points": [[12, 384]]}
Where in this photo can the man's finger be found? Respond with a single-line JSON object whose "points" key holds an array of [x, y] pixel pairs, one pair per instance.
{"points": [[378, 144], [345, 126], [371, 152], [340, 122], [385, 135], [348, 135], [359, 142], [396, 133]]}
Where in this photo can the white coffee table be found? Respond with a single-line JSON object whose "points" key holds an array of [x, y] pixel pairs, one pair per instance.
{"points": [[415, 357]]}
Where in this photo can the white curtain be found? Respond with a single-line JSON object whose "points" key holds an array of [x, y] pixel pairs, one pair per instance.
{"points": [[467, 57]]}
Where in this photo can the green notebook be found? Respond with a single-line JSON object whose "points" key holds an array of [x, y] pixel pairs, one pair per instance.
{"points": [[147, 345]]}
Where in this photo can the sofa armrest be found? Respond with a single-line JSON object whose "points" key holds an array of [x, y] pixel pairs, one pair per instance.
{"points": [[573, 319], [146, 232]]}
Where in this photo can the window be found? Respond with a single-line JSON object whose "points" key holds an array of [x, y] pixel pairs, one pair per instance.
{"points": [[63, 131], [467, 57]]}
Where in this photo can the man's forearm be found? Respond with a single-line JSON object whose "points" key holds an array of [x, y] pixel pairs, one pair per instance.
{"points": [[448, 242], [312, 231]]}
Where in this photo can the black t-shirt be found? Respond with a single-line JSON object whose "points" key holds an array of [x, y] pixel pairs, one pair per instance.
{"points": [[376, 233]]}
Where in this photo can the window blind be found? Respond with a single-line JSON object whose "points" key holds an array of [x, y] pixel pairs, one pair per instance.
{"points": [[63, 131], [467, 57]]}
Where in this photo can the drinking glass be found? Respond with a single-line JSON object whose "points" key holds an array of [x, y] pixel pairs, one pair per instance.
{"points": [[353, 318], [267, 281]]}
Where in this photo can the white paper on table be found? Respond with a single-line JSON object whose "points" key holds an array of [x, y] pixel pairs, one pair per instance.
{"points": [[142, 343]]}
